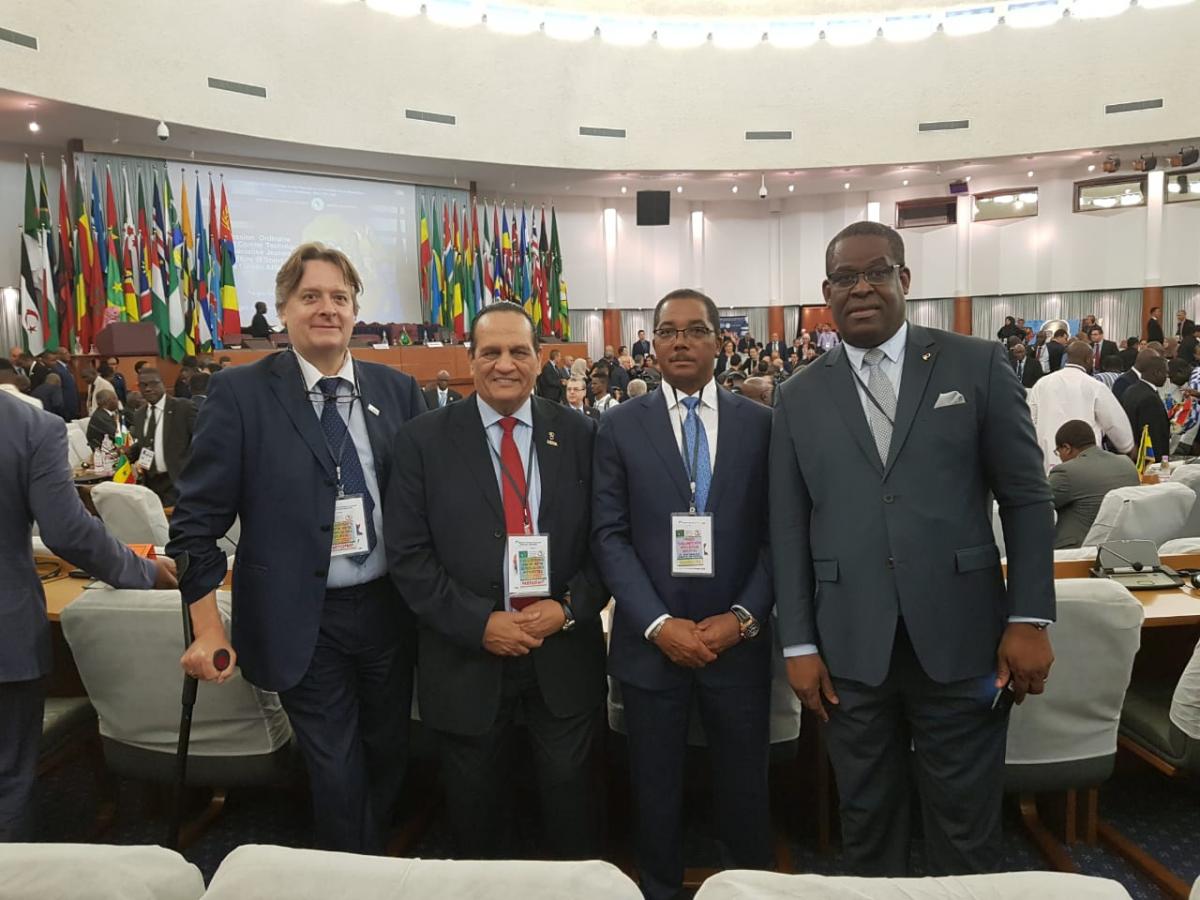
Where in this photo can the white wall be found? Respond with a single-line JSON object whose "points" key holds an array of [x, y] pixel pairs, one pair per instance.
{"points": [[342, 74]]}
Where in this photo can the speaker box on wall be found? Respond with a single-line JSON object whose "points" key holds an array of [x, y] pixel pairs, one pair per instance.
{"points": [[654, 207]]}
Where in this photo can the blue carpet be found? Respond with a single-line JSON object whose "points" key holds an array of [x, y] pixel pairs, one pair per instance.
{"points": [[1161, 815]]}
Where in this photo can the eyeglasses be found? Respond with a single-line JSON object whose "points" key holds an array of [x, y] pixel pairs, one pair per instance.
{"points": [[691, 333], [877, 275]]}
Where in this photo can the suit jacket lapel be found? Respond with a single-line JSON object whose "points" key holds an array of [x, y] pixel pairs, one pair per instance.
{"points": [[367, 390], [848, 403], [729, 427], [288, 386], [473, 447], [662, 439], [920, 354], [549, 458]]}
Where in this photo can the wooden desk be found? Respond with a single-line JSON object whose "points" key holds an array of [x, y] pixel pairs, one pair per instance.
{"points": [[64, 590]]}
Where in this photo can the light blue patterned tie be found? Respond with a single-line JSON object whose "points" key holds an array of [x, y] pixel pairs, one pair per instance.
{"points": [[693, 432]]}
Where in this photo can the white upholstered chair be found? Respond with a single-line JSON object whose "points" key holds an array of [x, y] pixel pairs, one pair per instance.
{"points": [[748, 885], [1153, 512], [1189, 475], [96, 872], [132, 513]]}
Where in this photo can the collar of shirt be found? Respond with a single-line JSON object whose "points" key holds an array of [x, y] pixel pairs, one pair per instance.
{"points": [[1069, 366], [893, 348], [708, 398], [490, 417], [161, 405], [311, 374]]}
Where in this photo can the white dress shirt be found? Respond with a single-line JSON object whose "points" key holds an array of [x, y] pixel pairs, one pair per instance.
{"points": [[706, 409], [523, 438], [892, 365], [1070, 393], [344, 572], [12, 389], [99, 384], [443, 397], [160, 413]]}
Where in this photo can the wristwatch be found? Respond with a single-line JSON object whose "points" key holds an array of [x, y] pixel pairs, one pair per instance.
{"points": [[747, 625], [569, 622]]}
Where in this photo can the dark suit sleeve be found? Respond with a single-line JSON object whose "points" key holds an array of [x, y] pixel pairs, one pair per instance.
{"points": [[209, 492], [589, 593], [548, 382], [1060, 486], [791, 511], [1153, 413], [434, 597], [612, 541], [1013, 466], [66, 527]]}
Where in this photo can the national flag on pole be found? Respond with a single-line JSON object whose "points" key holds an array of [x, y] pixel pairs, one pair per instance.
{"points": [[1145, 454], [506, 251], [200, 278], [180, 337], [424, 267], [85, 252], [231, 317], [158, 277], [50, 273], [98, 229], [476, 258], [65, 280], [435, 274], [456, 295], [532, 265], [145, 295], [522, 260], [111, 222], [489, 273], [129, 257], [214, 264], [558, 295], [447, 319], [30, 287], [114, 308], [187, 271]]}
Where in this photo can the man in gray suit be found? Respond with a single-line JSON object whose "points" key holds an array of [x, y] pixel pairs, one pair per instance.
{"points": [[891, 604], [1081, 480], [35, 484]]}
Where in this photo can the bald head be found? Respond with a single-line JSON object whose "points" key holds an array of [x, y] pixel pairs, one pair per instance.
{"points": [[1079, 353], [443, 380], [758, 389], [1146, 358]]}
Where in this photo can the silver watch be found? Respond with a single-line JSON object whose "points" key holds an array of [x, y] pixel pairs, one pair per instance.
{"points": [[747, 624]]}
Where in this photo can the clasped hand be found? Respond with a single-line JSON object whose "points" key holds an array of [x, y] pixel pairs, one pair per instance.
{"points": [[516, 633], [696, 644]]}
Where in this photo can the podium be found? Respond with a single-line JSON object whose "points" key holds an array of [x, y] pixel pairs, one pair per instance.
{"points": [[128, 339]]}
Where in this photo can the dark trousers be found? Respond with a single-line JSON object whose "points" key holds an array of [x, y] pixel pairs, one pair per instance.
{"points": [[20, 735], [944, 740], [736, 728], [350, 714], [480, 772], [161, 484]]}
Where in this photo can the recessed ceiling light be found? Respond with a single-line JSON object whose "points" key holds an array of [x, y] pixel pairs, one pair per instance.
{"points": [[734, 188], [968, 178], [791, 189], [1091, 168], [679, 188], [1029, 174], [845, 185], [35, 127], [905, 182], [624, 190]]}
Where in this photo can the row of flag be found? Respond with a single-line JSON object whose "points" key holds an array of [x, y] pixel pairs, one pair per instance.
{"points": [[465, 266], [136, 262]]}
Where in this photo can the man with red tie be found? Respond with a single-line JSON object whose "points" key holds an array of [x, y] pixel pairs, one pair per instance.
{"points": [[486, 521]]}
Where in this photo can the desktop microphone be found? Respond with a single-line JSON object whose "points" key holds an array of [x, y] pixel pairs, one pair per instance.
{"points": [[1137, 566]]}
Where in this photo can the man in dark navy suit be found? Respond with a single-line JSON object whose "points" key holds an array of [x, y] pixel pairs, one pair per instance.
{"points": [[298, 445], [695, 503]]}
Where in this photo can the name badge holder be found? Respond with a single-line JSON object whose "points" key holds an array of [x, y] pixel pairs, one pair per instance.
{"points": [[691, 532], [146, 459], [350, 536], [526, 556]]}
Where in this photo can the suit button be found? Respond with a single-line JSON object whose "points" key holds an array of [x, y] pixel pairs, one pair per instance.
{"points": [[495, 585], [891, 562], [889, 498], [497, 534], [326, 527], [320, 573]]}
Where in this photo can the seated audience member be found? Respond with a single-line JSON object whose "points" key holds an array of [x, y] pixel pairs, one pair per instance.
{"points": [[579, 369], [188, 367], [732, 380], [602, 400], [728, 350], [11, 383], [225, 361], [577, 397], [1081, 480], [1145, 408], [1025, 365], [1129, 352], [637, 388], [1111, 373], [107, 421], [440, 393], [750, 363], [758, 389], [164, 427], [259, 326], [49, 392], [1182, 405], [199, 388]]}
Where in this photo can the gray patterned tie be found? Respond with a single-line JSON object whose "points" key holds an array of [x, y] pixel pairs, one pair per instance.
{"points": [[880, 387]]}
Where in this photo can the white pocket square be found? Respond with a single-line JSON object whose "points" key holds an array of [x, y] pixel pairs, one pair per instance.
{"points": [[950, 398]]}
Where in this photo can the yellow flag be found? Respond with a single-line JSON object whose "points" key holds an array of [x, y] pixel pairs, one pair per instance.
{"points": [[1145, 450]]}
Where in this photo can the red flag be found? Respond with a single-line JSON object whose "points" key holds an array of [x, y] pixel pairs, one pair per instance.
{"points": [[66, 267]]}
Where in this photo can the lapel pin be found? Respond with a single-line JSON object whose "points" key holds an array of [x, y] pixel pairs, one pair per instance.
{"points": [[926, 356], [371, 407], [550, 441]]}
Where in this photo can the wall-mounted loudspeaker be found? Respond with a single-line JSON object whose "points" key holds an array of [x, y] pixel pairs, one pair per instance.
{"points": [[654, 207]]}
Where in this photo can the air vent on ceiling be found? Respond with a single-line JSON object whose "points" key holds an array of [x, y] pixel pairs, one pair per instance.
{"points": [[421, 116], [588, 131], [237, 87], [1133, 106], [768, 135], [949, 125], [21, 40]]}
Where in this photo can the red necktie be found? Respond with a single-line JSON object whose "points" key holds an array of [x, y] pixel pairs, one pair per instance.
{"points": [[512, 479]]}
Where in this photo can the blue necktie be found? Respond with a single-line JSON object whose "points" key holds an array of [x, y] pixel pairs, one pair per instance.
{"points": [[353, 481], [693, 432]]}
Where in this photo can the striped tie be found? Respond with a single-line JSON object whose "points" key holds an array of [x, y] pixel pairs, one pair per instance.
{"points": [[881, 389]]}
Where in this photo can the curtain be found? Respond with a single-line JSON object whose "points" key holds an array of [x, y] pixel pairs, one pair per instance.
{"points": [[932, 313], [633, 320], [791, 323], [1176, 298], [756, 320], [10, 319], [1119, 311], [587, 326]]}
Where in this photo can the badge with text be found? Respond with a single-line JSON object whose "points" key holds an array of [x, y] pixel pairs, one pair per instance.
{"points": [[146, 459], [528, 565], [349, 527], [692, 545]]}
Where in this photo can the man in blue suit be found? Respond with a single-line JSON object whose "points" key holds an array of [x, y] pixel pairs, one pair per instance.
{"points": [[680, 534], [35, 485], [297, 445]]}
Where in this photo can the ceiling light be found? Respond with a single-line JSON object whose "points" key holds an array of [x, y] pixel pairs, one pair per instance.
{"points": [[679, 188], [1131, 199], [564, 26], [762, 187], [909, 28], [845, 185], [850, 32], [1033, 13], [791, 189], [1004, 198], [1028, 197], [1105, 202], [455, 13], [35, 127], [791, 35], [1091, 168], [959, 22], [737, 35], [1174, 188], [624, 190], [905, 182], [734, 188], [968, 178], [1029, 174]]}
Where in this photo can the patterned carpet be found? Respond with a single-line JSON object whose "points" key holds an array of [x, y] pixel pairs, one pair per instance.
{"points": [[1161, 815]]}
